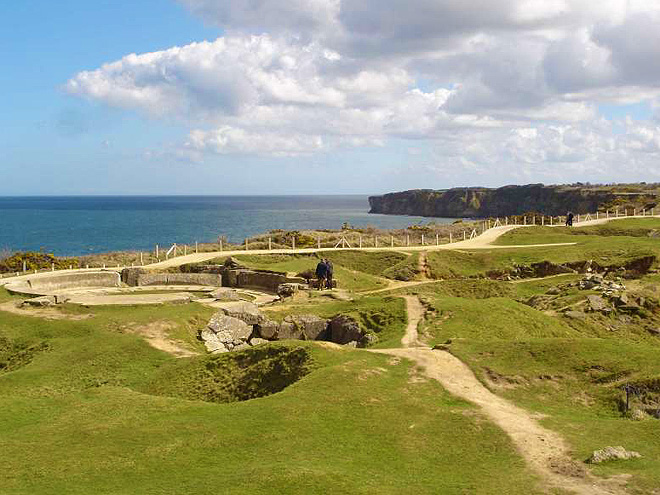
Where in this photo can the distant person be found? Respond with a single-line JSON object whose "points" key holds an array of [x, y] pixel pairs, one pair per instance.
{"points": [[569, 219], [328, 273], [321, 274]]}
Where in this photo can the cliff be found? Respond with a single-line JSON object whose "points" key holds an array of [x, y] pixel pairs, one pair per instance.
{"points": [[480, 202]]}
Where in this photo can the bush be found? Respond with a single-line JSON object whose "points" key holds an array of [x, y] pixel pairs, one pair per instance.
{"points": [[35, 261]]}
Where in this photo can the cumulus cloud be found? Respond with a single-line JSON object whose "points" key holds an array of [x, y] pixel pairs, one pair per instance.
{"points": [[492, 83]]}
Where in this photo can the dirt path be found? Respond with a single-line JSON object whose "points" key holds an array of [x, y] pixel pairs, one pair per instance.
{"points": [[415, 312], [155, 334], [423, 266], [545, 451]]}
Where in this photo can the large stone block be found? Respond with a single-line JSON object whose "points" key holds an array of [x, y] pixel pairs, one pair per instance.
{"points": [[309, 327], [344, 329], [130, 276], [287, 330], [211, 341], [268, 329], [229, 329], [245, 311], [225, 294]]}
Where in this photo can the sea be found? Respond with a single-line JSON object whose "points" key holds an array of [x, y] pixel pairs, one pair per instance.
{"points": [[79, 225]]}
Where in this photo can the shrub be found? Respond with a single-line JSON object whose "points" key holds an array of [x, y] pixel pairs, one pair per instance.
{"points": [[35, 261]]}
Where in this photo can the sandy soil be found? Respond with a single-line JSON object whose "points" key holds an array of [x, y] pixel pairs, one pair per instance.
{"points": [[415, 312], [155, 333]]}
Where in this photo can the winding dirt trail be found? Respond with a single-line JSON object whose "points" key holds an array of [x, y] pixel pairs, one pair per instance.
{"points": [[415, 312], [545, 451]]}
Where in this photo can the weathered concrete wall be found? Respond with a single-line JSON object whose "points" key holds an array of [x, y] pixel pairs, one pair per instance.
{"points": [[75, 280], [206, 279], [48, 283], [253, 279]]}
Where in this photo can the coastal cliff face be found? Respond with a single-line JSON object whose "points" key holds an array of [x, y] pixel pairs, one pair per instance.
{"points": [[475, 202]]}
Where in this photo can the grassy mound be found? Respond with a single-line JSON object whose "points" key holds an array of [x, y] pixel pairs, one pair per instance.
{"points": [[406, 270], [489, 319], [15, 355], [232, 377]]}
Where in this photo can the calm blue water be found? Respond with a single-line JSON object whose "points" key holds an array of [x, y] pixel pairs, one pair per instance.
{"points": [[69, 226]]}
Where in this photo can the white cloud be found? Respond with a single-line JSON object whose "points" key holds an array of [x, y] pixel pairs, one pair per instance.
{"points": [[490, 82]]}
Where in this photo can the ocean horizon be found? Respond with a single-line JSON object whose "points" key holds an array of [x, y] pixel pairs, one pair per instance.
{"points": [[80, 225]]}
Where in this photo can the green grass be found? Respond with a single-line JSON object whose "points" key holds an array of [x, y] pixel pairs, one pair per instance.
{"points": [[606, 251], [87, 406], [489, 319], [465, 288], [407, 269], [373, 263], [577, 384], [235, 376], [78, 419]]}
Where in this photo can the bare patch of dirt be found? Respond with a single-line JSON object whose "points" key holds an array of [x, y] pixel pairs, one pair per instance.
{"points": [[416, 312], [366, 374], [423, 266], [496, 380], [415, 376], [155, 333], [44, 313]]}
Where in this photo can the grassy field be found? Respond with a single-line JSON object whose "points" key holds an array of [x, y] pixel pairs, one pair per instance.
{"points": [[96, 410], [630, 241], [88, 406]]}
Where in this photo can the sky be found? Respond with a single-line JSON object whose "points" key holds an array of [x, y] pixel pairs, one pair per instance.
{"points": [[325, 96]]}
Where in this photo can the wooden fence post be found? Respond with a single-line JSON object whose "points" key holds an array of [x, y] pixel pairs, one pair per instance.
{"points": [[293, 242], [270, 244], [450, 238], [392, 240], [422, 239], [437, 239]]}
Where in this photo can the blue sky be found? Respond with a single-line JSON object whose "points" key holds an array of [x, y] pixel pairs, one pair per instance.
{"points": [[363, 112]]}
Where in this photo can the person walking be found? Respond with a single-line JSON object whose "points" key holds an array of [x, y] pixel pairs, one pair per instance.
{"points": [[569, 219], [328, 273], [321, 274]]}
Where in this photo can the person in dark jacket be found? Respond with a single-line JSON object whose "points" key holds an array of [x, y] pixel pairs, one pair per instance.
{"points": [[321, 274], [569, 219], [328, 273]]}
